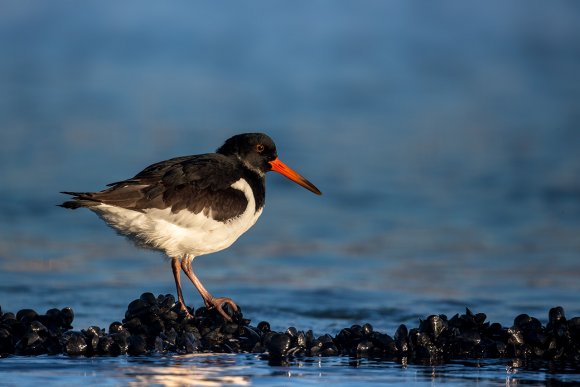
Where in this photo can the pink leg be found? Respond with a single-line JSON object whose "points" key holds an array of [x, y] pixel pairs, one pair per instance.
{"points": [[210, 301], [175, 267]]}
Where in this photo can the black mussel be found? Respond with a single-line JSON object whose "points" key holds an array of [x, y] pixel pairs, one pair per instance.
{"points": [[230, 328], [434, 326], [301, 340], [345, 339], [469, 338], [76, 344], [26, 315], [480, 318], [148, 298], [279, 345], [116, 327], [556, 315], [135, 326], [292, 332], [263, 326], [515, 336], [104, 347], [402, 339], [169, 338], [67, 316], [155, 326], [383, 342], [367, 329], [364, 347], [137, 308], [356, 331], [249, 337], [39, 328], [92, 335], [136, 345], [329, 349], [527, 323], [6, 341], [309, 337], [166, 303], [574, 329], [326, 339]]}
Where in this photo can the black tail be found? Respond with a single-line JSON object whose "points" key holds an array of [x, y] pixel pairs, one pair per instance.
{"points": [[80, 199]]}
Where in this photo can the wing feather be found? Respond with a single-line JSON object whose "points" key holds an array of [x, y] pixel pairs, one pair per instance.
{"points": [[197, 183]]}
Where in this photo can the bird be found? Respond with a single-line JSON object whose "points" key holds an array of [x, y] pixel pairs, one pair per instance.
{"points": [[191, 206]]}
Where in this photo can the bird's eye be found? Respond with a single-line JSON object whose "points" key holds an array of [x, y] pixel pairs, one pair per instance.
{"points": [[259, 148]]}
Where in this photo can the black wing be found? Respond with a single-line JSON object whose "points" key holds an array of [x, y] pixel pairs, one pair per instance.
{"points": [[196, 183]]}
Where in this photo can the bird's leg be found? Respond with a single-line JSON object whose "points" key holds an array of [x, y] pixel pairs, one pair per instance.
{"points": [[175, 267], [210, 301]]}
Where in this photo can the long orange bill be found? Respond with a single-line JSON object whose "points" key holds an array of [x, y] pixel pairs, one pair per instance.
{"points": [[285, 170]]}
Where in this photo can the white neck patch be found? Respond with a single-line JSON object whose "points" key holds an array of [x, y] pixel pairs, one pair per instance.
{"points": [[251, 167]]}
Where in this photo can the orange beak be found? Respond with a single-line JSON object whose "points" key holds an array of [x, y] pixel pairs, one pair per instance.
{"points": [[285, 170]]}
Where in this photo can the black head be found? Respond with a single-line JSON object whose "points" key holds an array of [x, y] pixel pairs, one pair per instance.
{"points": [[258, 153], [255, 150]]}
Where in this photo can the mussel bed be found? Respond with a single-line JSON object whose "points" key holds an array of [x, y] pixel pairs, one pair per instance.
{"points": [[155, 325]]}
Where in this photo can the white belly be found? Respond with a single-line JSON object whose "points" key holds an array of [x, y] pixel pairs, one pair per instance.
{"points": [[181, 233]]}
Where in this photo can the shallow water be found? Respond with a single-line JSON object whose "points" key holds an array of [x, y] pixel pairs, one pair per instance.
{"points": [[245, 370], [444, 138]]}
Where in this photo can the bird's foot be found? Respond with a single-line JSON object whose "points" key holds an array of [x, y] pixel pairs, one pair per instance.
{"points": [[218, 303], [183, 309]]}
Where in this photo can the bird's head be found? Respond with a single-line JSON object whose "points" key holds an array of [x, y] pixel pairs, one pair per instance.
{"points": [[257, 152]]}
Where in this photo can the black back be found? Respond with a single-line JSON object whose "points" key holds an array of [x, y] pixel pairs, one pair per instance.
{"points": [[200, 183]]}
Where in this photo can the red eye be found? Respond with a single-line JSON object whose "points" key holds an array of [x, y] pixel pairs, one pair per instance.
{"points": [[259, 148]]}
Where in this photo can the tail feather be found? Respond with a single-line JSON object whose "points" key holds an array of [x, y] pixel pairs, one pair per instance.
{"points": [[80, 199]]}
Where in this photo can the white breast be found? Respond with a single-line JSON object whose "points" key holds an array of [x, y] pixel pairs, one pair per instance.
{"points": [[183, 232]]}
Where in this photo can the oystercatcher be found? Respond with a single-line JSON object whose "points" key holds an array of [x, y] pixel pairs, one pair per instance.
{"points": [[192, 205]]}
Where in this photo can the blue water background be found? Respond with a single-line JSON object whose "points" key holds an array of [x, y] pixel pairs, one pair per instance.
{"points": [[445, 137]]}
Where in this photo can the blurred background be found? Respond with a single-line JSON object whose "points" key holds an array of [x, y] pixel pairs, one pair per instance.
{"points": [[444, 136]]}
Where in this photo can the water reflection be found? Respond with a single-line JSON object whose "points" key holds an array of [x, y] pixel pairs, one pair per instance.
{"points": [[190, 370]]}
